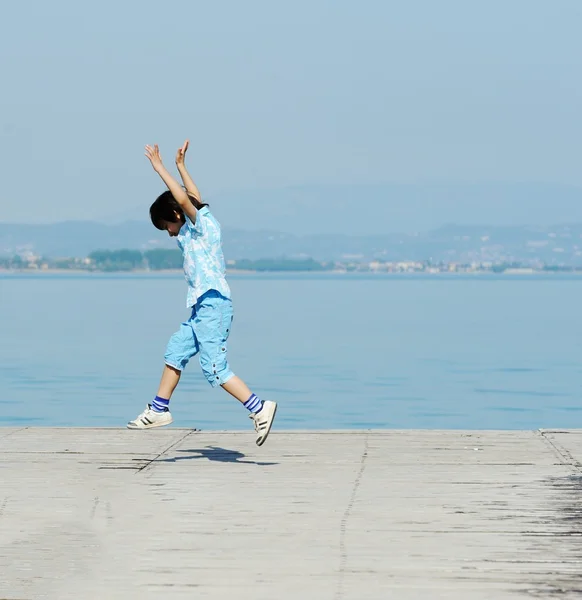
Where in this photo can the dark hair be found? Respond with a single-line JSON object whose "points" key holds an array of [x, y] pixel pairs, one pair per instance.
{"points": [[166, 207]]}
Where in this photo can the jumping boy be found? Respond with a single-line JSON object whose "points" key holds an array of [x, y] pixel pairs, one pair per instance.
{"points": [[183, 215]]}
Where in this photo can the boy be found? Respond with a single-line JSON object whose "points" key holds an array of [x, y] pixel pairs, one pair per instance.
{"points": [[181, 213]]}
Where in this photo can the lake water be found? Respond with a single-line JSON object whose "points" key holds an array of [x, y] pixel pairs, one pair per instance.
{"points": [[336, 351]]}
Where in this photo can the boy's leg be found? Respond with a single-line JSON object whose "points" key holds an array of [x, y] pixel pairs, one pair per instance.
{"points": [[170, 379], [262, 412], [237, 388], [182, 346], [212, 328]]}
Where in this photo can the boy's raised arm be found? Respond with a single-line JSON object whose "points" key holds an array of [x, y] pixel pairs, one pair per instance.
{"points": [[181, 197], [186, 179]]}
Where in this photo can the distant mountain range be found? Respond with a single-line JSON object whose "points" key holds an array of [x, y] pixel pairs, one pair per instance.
{"points": [[560, 244], [374, 209]]}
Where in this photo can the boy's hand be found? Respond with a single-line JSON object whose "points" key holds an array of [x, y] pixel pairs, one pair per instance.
{"points": [[181, 154], [153, 153]]}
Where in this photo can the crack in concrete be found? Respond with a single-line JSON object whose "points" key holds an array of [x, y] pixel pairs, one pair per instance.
{"points": [[188, 433], [339, 594], [564, 455], [13, 433]]}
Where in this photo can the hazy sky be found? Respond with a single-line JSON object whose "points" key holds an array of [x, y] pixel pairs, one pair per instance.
{"points": [[273, 94]]}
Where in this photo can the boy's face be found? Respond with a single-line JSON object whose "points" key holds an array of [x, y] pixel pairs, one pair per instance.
{"points": [[173, 229]]}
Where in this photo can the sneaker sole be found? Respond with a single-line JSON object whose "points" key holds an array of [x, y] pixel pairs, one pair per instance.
{"points": [[264, 439], [149, 426]]}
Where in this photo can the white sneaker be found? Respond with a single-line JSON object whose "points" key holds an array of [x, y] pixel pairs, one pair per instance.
{"points": [[264, 420], [150, 418]]}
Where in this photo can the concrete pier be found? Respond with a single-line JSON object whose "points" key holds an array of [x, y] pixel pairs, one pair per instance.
{"points": [[106, 514]]}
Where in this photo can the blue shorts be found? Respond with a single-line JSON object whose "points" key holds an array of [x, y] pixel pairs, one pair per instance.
{"points": [[205, 332]]}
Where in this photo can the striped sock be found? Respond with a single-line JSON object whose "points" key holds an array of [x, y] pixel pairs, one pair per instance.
{"points": [[160, 404], [253, 404]]}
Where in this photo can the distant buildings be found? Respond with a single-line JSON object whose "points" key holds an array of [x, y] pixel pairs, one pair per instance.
{"points": [[160, 259]]}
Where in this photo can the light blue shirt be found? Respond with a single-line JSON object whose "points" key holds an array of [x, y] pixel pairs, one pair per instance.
{"points": [[201, 245]]}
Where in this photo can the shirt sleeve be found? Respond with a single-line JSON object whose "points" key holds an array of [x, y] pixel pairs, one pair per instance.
{"points": [[199, 227]]}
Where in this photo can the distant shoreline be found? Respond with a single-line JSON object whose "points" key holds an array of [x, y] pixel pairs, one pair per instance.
{"points": [[142, 272], [477, 272]]}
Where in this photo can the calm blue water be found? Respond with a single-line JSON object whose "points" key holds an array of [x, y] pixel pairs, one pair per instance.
{"points": [[336, 351]]}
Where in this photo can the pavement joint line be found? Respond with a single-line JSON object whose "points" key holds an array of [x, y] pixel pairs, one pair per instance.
{"points": [[566, 457], [12, 433], [188, 433], [339, 594]]}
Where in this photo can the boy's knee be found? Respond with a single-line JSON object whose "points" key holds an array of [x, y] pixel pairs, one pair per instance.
{"points": [[216, 371], [175, 359], [180, 349]]}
